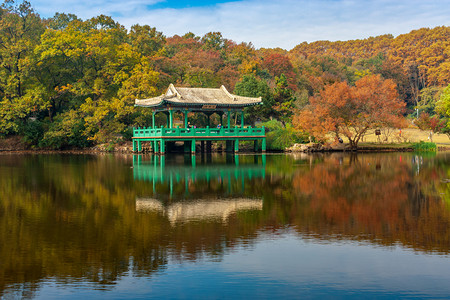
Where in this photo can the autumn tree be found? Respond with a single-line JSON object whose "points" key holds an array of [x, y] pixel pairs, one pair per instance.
{"points": [[146, 40], [431, 123], [20, 31], [443, 108], [352, 110], [428, 98]]}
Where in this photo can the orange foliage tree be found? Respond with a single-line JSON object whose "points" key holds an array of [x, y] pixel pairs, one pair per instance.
{"points": [[352, 110]]}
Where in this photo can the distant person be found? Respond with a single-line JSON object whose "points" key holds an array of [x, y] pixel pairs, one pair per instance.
{"points": [[219, 126], [340, 140]]}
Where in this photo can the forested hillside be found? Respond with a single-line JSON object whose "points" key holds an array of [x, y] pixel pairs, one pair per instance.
{"points": [[67, 82]]}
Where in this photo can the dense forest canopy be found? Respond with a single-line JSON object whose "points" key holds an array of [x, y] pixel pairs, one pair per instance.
{"points": [[67, 82]]}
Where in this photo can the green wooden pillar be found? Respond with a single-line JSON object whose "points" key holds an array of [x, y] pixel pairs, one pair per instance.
{"points": [[134, 145], [153, 119], [167, 119], [229, 119], [139, 146], [185, 119], [228, 146], [186, 146], [242, 119], [156, 147], [170, 118], [236, 146], [255, 145], [193, 146], [263, 146], [163, 146]]}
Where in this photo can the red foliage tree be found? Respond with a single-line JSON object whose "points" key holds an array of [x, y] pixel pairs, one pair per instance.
{"points": [[351, 111]]}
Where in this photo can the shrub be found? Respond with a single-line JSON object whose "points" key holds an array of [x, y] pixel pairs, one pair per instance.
{"points": [[424, 146], [32, 131], [280, 137]]}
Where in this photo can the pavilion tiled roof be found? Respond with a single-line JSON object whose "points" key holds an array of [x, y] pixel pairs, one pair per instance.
{"points": [[182, 96]]}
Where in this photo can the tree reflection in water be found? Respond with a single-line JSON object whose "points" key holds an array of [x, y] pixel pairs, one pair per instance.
{"points": [[83, 217]]}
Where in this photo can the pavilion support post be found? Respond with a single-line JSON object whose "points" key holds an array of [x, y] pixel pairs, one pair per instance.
{"points": [[255, 145], [193, 146], [187, 146], [153, 119], [229, 118], [185, 118], [134, 145], [163, 146], [242, 119], [229, 146], [236, 146], [170, 118], [139, 146], [156, 150], [263, 145]]}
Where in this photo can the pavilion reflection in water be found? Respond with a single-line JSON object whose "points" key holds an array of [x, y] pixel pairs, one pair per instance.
{"points": [[202, 209], [208, 191]]}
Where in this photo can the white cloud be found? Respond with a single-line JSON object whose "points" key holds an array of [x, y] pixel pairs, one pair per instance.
{"points": [[282, 23]]}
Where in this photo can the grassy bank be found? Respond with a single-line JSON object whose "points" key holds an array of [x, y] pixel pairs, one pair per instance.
{"points": [[408, 136]]}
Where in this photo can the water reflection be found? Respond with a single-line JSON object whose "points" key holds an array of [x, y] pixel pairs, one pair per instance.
{"points": [[221, 186], [202, 209], [100, 219]]}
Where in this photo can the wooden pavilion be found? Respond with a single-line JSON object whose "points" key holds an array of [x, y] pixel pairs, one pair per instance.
{"points": [[199, 100]]}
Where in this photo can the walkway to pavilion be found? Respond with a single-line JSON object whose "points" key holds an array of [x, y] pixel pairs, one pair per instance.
{"points": [[208, 101]]}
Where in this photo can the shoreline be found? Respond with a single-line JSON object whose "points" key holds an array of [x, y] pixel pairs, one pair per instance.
{"points": [[126, 148]]}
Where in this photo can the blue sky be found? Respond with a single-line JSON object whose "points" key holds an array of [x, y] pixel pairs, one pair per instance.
{"points": [[269, 24]]}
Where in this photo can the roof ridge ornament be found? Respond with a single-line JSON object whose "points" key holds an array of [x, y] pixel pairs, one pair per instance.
{"points": [[223, 88]]}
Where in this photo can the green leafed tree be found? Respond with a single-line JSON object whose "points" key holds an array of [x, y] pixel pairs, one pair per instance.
{"points": [[20, 31], [283, 99], [443, 108], [250, 86], [92, 68]]}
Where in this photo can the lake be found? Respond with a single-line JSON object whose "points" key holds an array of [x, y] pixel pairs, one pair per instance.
{"points": [[225, 226]]}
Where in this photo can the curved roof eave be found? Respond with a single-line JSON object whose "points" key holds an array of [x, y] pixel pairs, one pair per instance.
{"points": [[198, 104]]}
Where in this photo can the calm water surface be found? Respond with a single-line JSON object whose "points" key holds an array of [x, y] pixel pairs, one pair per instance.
{"points": [[273, 226]]}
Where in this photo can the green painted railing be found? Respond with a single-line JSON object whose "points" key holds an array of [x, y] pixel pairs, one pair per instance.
{"points": [[198, 132]]}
